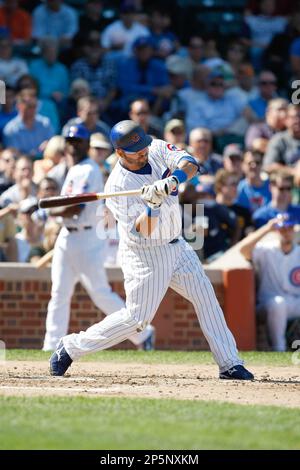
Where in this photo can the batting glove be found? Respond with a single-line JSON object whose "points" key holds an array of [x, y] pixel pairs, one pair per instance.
{"points": [[151, 197], [166, 186]]}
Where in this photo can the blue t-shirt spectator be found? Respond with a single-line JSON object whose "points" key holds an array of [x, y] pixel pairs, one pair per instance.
{"points": [[138, 82], [295, 47], [17, 135], [252, 197], [50, 78], [58, 24], [268, 212]]}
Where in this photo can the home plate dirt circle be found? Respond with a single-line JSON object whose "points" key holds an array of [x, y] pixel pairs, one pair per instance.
{"points": [[272, 386]]}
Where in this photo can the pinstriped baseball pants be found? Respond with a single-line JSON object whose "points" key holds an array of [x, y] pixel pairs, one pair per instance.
{"points": [[148, 272]]}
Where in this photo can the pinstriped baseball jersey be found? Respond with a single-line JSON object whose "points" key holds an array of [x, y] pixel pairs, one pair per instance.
{"points": [[163, 158]]}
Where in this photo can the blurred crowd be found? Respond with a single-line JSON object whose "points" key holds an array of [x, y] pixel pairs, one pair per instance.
{"points": [[227, 101]]}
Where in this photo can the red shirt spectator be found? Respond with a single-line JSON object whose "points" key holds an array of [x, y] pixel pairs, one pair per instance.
{"points": [[16, 20]]}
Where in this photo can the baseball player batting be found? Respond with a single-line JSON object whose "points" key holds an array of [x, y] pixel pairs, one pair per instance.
{"points": [[154, 256]]}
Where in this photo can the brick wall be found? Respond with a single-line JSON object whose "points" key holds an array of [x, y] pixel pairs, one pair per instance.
{"points": [[25, 292]]}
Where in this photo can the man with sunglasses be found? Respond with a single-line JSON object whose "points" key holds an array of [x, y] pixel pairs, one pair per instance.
{"points": [[284, 148], [281, 185], [153, 253], [277, 261], [79, 251]]}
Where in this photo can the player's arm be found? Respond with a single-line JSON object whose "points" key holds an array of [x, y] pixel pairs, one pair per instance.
{"points": [[248, 244]]}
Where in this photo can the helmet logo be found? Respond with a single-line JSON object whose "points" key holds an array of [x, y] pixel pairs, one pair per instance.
{"points": [[134, 138]]}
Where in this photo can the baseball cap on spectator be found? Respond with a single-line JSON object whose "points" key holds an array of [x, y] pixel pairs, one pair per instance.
{"points": [[233, 150], [216, 72], [28, 205], [178, 65], [99, 140], [174, 124], [285, 220], [78, 131], [143, 41]]}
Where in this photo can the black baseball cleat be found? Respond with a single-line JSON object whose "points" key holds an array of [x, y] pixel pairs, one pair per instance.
{"points": [[60, 361], [236, 373]]}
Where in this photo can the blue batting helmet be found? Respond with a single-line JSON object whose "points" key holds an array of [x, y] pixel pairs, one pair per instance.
{"points": [[129, 136], [77, 131]]}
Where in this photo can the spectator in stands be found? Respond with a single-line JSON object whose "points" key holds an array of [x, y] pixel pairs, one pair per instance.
{"points": [[30, 235], [55, 19], [233, 160], [47, 187], [17, 21], [142, 76], [195, 51], [51, 75], [165, 41], [223, 230], [267, 85], [140, 113], [218, 111], [124, 31], [275, 122], [226, 192], [284, 147], [295, 57], [100, 149], [183, 101], [8, 159], [277, 263], [201, 147], [245, 88], [88, 115], [78, 89], [236, 53], [281, 185], [11, 68], [8, 246], [23, 187], [28, 131], [8, 109], [99, 72], [92, 18], [53, 155], [45, 107], [262, 28], [174, 133], [253, 192]]}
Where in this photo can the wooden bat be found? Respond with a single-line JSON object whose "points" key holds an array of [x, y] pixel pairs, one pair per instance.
{"points": [[72, 199]]}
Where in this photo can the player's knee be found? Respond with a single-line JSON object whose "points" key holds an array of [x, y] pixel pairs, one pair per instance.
{"points": [[277, 305], [132, 319]]}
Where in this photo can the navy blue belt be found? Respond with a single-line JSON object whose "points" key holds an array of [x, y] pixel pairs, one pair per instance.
{"points": [[175, 240], [77, 229]]}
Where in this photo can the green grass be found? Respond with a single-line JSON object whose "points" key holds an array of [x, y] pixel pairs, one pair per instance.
{"points": [[157, 357], [123, 423]]}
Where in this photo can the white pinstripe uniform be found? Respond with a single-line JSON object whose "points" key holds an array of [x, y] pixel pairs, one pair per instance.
{"points": [[151, 265], [79, 256], [279, 288]]}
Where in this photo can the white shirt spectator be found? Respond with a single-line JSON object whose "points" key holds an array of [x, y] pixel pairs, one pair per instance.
{"points": [[116, 33], [263, 28], [11, 70]]}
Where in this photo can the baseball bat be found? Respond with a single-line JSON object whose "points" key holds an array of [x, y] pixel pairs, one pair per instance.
{"points": [[72, 199]]}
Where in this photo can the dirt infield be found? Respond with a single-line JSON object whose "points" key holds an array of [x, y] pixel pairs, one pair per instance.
{"points": [[273, 385]]}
